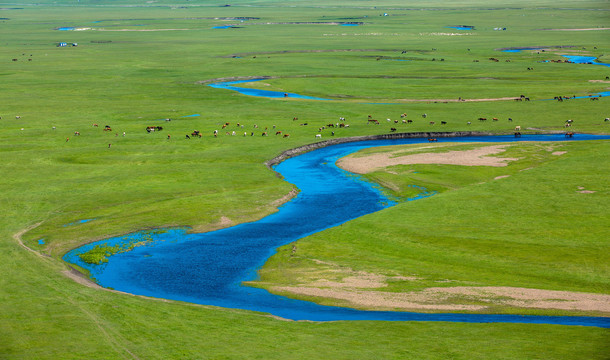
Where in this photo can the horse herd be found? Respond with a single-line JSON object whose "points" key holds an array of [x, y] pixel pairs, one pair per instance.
{"points": [[341, 124]]}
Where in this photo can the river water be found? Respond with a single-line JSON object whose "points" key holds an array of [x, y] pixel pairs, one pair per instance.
{"points": [[209, 268]]}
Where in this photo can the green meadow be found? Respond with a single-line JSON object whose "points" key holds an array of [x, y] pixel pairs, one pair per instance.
{"points": [[137, 63]]}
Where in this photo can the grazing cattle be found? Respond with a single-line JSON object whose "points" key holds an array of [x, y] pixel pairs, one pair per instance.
{"points": [[424, 115], [187, 136], [409, 121], [95, 125], [233, 133], [286, 135], [17, 117], [527, 99], [67, 139], [569, 134], [196, 133], [482, 119], [510, 119], [264, 134], [318, 136], [278, 133], [341, 119], [404, 121], [517, 134], [607, 119], [443, 123], [108, 128], [494, 119], [517, 128], [376, 122], [432, 122], [568, 125], [432, 140], [468, 123], [393, 130], [168, 119], [295, 118], [76, 133]]}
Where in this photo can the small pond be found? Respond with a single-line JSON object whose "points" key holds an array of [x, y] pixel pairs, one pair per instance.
{"points": [[259, 93]]}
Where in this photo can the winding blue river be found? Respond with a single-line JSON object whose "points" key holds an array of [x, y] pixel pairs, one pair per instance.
{"points": [[209, 268]]}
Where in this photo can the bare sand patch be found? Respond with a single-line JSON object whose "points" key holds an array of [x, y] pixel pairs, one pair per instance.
{"points": [[469, 298], [501, 177], [583, 29], [365, 290], [600, 81], [474, 157], [558, 153]]}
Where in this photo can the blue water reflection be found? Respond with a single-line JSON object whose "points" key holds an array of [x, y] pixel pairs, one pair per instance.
{"points": [[209, 268]]}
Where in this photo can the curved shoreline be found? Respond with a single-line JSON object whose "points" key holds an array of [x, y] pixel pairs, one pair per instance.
{"points": [[287, 154]]}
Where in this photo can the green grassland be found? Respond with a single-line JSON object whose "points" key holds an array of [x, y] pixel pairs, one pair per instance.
{"points": [[140, 62]]}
